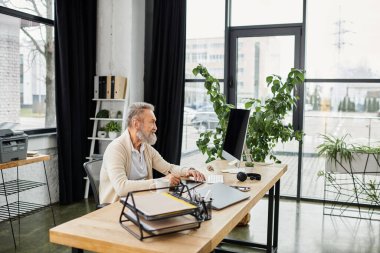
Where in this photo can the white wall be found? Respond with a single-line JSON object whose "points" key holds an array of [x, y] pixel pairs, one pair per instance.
{"points": [[120, 42]]}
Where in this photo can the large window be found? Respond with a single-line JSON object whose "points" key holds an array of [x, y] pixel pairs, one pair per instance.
{"points": [[342, 90], [27, 78], [338, 50], [204, 45]]}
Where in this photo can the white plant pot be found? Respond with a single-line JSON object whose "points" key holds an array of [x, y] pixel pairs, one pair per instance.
{"points": [[112, 135], [358, 164], [102, 134]]}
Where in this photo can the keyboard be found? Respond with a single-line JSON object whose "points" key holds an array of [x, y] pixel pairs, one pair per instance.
{"points": [[212, 179]]}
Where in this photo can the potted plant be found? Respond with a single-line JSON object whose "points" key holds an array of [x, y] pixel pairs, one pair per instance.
{"points": [[102, 133], [113, 129], [265, 127], [344, 158], [350, 173], [103, 114], [119, 115]]}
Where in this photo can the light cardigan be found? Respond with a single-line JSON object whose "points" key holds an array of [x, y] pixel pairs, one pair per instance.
{"points": [[116, 166]]}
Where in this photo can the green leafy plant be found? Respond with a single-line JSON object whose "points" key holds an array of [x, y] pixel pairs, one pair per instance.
{"points": [[367, 149], [265, 127], [222, 110], [113, 126], [102, 129], [336, 148], [103, 114], [249, 164]]}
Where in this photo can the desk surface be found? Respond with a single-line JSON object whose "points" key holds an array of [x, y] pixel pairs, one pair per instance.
{"points": [[100, 230], [28, 160]]}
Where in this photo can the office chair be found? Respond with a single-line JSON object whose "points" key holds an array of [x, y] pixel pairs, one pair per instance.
{"points": [[92, 169]]}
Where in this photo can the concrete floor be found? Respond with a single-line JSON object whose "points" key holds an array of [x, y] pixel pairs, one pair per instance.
{"points": [[302, 228]]}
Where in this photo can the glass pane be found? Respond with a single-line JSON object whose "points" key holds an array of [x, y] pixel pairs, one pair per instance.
{"points": [[259, 57], [342, 38], [27, 99], [337, 109], [257, 12], [199, 115], [42, 8], [205, 37]]}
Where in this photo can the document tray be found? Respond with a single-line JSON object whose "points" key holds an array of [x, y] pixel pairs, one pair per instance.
{"points": [[151, 214], [164, 226]]}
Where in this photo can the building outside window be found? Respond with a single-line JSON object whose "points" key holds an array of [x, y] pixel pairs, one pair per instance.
{"points": [[27, 73]]}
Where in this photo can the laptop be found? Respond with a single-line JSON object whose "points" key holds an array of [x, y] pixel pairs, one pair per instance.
{"points": [[223, 195]]}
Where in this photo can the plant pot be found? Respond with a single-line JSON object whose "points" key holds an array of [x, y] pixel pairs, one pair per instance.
{"points": [[102, 134], [112, 135], [358, 164]]}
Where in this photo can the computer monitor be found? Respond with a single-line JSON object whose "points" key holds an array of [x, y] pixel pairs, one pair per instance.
{"points": [[235, 134]]}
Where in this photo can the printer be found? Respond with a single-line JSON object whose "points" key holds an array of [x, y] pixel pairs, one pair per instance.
{"points": [[13, 145]]}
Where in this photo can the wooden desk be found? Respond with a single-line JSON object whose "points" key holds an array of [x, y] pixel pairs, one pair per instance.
{"points": [[26, 161], [100, 230], [18, 208]]}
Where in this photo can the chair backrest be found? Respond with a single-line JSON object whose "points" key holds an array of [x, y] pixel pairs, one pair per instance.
{"points": [[92, 169]]}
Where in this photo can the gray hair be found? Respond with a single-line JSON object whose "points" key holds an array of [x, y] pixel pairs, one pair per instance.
{"points": [[136, 109]]}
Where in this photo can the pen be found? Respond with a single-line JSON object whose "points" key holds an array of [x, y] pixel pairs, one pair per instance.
{"points": [[207, 196]]}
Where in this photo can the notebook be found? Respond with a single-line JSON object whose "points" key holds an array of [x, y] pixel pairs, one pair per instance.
{"points": [[164, 226], [223, 195], [156, 205]]}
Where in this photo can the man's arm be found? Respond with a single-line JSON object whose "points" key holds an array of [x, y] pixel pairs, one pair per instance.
{"points": [[165, 168]]}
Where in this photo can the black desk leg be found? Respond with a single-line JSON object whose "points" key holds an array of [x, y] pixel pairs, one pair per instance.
{"points": [[9, 212], [47, 184], [75, 250], [18, 205], [276, 214], [272, 226], [270, 221]]}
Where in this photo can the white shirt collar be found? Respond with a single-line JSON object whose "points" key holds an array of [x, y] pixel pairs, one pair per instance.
{"points": [[142, 148]]}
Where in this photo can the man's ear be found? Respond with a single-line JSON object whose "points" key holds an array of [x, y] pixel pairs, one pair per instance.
{"points": [[136, 123]]}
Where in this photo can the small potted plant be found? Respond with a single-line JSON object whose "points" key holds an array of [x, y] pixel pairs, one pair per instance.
{"points": [[103, 114], [113, 129], [102, 133], [119, 115]]}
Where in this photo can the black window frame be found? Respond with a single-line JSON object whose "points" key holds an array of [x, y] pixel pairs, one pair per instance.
{"points": [[40, 20]]}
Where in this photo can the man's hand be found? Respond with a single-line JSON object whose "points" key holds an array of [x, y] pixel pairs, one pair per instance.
{"points": [[198, 176], [173, 179]]}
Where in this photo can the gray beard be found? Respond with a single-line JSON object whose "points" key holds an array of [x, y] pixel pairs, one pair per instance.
{"points": [[150, 138]]}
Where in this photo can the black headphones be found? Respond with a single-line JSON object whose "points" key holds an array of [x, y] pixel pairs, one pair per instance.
{"points": [[241, 176]]}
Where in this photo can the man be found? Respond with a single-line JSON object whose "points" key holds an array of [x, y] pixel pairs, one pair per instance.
{"points": [[129, 159]]}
